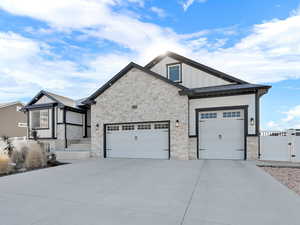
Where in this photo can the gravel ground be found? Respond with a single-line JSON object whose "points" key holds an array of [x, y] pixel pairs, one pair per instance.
{"points": [[288, 176]]}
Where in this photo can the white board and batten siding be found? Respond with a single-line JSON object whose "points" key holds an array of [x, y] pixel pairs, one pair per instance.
{"points": [[74, 131], [191, 77], [226, 101], [74, 117]]}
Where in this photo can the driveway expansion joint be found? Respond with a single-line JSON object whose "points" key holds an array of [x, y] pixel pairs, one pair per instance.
{"points": [[192, 194]]}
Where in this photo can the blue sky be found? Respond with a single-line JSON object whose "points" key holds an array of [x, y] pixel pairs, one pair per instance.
{"points": [[72, 47]]}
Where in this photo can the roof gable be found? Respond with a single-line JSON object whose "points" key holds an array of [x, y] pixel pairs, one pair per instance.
{"points": [[122, 73], [61, 100], [39, 96], [196, 65]]}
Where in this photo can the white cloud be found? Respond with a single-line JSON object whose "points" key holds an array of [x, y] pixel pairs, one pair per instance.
{"points": [[188, 3], [272, 124], [25, 69], [269, 53], [97, 18], [160, 12], [290, 119], [295, 11], [292, 114]]}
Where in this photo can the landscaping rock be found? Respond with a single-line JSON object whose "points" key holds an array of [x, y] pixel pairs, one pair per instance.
{"points": [[288, 176]]}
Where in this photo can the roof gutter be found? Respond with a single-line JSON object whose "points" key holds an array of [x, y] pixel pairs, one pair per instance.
{"points": [[192, 93]]}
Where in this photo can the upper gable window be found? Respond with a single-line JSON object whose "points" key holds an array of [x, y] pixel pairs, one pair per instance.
{"points": [[174, 72]]}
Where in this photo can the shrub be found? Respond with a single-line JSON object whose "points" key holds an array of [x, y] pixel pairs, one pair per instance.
{"points": [[9, 146], [5, 164], [36, 157], [19, 156]]}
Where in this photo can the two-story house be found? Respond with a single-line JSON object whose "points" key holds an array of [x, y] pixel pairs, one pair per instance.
{"points": [[62, 122], [13, 121]]}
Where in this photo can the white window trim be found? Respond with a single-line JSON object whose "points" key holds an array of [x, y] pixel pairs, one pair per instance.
{"points": [[180, 72], [40, 119]]}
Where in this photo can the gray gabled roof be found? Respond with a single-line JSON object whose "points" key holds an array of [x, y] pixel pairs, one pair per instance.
{"points": [[196, 65], [7, 104], [224, 89], [62, 101], [122, 73]]}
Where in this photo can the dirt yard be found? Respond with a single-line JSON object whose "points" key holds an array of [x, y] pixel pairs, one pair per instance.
{"points": [[288, 176]]}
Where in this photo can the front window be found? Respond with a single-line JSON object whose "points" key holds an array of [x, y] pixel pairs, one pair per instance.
{"points": [[40, 119], [174, 72]]}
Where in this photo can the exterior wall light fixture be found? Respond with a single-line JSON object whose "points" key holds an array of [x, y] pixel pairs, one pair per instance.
{"points": [[177, 123], [252, 121]]}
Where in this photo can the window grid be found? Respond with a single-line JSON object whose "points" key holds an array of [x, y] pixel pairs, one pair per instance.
{"points": [[231, 114], [208, 115], [40, 119], [144, 126], [127, 127], [161, 126], [113, 128]]}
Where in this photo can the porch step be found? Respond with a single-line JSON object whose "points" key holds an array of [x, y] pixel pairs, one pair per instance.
{"points": [[72, 155], [79, 147], [80, 141], [85, 141]]}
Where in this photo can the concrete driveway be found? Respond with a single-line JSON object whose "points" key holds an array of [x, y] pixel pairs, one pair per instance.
{"points": [[142, 192]]}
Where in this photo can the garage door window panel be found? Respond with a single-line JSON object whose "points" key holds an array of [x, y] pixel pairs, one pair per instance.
{"points": [[113, 128], [128, 127], [161, 126], [208, 115], [144, 127], [232, 114]]}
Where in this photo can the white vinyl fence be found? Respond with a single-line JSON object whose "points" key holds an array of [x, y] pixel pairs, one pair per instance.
{"points": [[280, 145]]}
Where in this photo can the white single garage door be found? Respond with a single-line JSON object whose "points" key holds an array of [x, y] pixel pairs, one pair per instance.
{"points": [[221, 134], [138, 140]]}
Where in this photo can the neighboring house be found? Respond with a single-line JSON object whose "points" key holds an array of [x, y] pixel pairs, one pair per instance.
{"points": [[13, 121], [175, 108], [58, 120]]}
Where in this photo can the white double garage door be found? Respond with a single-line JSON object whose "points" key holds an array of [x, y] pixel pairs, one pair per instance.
{"points": [[137, 140], [221, 135]]}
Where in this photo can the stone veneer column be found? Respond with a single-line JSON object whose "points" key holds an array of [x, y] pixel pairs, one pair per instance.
{"points": [[252, 147]]}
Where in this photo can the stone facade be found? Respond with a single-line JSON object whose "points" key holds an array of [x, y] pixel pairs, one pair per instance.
{"points": [[193, 148], [155, 99], [252, 147]]}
